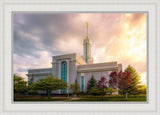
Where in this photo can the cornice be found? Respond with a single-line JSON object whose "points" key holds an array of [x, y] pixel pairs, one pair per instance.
{"points": [[97, 69]]}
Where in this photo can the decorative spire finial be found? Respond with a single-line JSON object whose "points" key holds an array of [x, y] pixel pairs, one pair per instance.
{"points": [[87, 28], [87, 24]]}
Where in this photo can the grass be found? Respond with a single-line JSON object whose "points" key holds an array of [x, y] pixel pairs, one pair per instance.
{"points": [[113, 98], [39, 98], [110, 98], [24, 99]]}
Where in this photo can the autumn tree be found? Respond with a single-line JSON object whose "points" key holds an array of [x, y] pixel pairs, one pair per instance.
{"points": [[48, 84], [113, 80], [102, 86], [120, 80], [135, 80], [124, 81], [92, 82]]}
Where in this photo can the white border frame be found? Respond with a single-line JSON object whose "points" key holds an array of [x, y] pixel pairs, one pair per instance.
{"points": [[151, 6]]}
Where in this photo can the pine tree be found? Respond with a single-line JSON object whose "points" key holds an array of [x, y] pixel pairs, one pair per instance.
{"points": [[92, 82], [135, 80]]}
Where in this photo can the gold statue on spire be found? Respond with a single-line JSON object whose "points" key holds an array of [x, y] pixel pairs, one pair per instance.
{"points": [[87, 24], [87, 28]]}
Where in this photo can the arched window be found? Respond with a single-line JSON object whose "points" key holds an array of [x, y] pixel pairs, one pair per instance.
{"points": [[64, 74]]}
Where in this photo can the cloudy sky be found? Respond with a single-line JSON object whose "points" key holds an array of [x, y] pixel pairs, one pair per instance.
{"points": [[115, 37]]}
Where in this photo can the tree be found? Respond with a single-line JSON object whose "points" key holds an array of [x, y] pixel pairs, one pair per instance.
{"points": [[120, 80], [113, 81], [19, 84], [94, 91], [102, 86], [31, 91], [124, 82], [92, 82], [110, 90], [135, 80], [48, 84], [30, 81], [75, 87]]}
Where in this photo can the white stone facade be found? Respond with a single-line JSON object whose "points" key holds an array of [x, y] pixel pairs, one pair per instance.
{"points": [[76, 67], [38, 73]]}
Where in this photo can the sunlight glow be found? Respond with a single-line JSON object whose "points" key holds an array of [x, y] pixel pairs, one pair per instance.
{"points": [[143, 78]]}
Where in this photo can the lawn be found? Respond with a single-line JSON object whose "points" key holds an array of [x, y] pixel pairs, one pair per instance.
{"points": [[112, 99], [39, 98], [83, 98]]}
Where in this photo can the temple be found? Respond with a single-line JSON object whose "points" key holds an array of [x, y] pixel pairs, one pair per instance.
{"points": [[70, 67]]}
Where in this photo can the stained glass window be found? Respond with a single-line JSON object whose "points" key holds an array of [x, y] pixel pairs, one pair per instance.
{"points": [[64, 74]]}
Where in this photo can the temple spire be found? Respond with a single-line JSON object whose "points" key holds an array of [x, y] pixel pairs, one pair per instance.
{"points": [[87, 48], [87, 28]]}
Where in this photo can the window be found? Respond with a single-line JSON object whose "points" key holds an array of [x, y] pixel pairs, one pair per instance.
{"points": [[64, 74], [82, 83]]}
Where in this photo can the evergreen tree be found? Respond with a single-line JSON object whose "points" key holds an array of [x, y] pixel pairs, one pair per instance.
{"points": [[135, 80], [92, 82]]}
